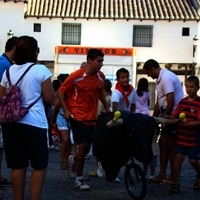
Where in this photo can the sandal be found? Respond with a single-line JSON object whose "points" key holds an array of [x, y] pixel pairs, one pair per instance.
{"points": [[196, 185], [175, 188]]}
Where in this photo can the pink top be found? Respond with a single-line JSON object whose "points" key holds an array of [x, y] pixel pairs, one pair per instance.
{"points": [[142, 103]]}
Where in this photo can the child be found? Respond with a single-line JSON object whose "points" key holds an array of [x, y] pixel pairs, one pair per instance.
{"points": [[188, 133], [143, 97], [107, 85], [142, 106], [67, 145], [124, 95]]}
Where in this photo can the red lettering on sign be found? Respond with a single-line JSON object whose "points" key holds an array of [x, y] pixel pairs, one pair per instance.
{"points": [[84, 50]]}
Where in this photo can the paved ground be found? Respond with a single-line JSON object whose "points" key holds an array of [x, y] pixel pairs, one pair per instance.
{"points": [[59, 187]]}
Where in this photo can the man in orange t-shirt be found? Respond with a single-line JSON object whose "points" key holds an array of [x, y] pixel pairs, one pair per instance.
{"points": [[79, 96]]}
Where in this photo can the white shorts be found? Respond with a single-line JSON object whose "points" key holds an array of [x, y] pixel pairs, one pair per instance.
{"points": [[60, 128]]}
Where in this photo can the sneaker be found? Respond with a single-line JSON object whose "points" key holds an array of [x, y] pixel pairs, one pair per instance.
{"points": [[150, 177], [81, 185], [71, 167], [100, 170], [117, 180]]}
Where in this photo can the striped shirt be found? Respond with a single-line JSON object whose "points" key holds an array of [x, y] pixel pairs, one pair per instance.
{"points": [[187, 136]]}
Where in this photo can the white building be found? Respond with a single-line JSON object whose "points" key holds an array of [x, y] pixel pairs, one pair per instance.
{"points": [[162, 30]]}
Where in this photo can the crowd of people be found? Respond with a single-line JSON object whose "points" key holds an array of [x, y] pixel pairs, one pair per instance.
{"points": [[73, 103]]}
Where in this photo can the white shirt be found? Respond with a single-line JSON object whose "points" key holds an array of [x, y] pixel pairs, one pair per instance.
{"points": [[31, 88], [168, 82], [117, 97], [142, 103]]}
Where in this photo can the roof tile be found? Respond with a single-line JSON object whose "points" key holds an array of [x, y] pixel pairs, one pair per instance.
{"points": [[114, 9]]}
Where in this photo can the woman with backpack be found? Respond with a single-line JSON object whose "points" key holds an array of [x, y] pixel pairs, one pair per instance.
{"points": [[26, 140]]}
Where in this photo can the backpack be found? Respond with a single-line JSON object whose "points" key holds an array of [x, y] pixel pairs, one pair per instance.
{"points": [[10, 103]]}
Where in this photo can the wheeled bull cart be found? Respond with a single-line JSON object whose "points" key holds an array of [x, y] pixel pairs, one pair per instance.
{"points": [[118, 141]]}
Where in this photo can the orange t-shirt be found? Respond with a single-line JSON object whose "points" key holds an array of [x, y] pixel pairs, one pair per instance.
{"points": [[83, 92]]}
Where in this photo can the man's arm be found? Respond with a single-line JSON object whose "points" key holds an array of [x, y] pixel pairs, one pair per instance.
{"points": [[156, 110], [170, 103], [104, 102]]}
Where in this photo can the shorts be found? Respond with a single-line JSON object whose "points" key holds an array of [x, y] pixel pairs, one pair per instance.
{"points": [[25, 143], [82, 133], [153, 163], [170, 130], [192, 152], [62, 124], [61, 121]]}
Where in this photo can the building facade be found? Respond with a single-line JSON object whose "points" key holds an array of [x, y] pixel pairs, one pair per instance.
{"points": [[157, 29]]}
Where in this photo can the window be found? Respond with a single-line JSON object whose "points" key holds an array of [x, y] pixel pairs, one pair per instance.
{"points": [[142, 36], [185, 31], [37, 27], [71, 33]]}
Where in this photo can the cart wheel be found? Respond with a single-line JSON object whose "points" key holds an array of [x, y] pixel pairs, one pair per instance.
{"points": [[135, 181]]}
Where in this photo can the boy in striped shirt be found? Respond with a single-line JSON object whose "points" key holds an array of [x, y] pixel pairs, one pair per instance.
{"points": [[188, 133]]}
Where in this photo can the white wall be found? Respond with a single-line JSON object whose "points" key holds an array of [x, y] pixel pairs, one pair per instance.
{"points": [[168, 43], [11, 18]]}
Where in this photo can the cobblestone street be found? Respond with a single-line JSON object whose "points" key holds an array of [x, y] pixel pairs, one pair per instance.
{"points": [[59, 187]]}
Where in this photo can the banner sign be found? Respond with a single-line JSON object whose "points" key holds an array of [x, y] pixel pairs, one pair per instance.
{"points": [[83, 50]]}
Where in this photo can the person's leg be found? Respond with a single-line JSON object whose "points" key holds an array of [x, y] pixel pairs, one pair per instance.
{"points": [[153, 165], [171, 146], [164, 157], [152, 171], [82, 135], [3, 181], [38, 157], [18, 177], [145, 168], [195, 164], [73, 146], [65, 148], [193, 154], [1, 158], [36, 183], [80, 158], [73, 149], [175, 186], [179, 158]]}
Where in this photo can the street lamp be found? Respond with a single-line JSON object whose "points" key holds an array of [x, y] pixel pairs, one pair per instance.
{"points": [[10, 34], [195, 39]]}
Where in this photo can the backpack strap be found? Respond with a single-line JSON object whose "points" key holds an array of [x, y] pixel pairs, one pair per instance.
{"points": [[8, 75], [34, 102]]}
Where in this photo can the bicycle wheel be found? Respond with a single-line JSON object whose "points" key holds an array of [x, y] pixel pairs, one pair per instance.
{"points": [[135, 181]]}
